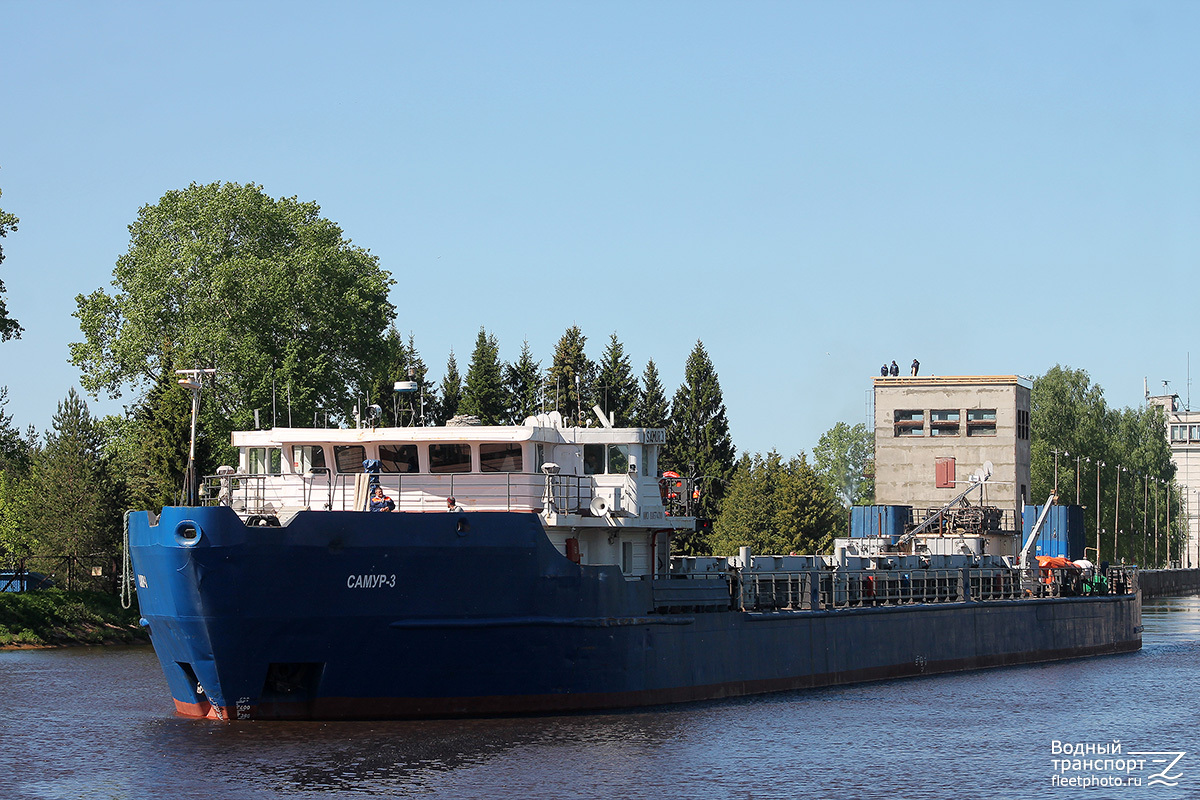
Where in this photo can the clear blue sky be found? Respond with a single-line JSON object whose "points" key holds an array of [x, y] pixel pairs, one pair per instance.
{"points": [[811, 188]]}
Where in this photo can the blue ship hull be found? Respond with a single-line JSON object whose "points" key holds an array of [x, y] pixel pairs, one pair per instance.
{"points": [[359, 615]]}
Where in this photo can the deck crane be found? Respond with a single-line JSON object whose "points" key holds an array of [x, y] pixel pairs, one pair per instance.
{"points": [[977, 481]]}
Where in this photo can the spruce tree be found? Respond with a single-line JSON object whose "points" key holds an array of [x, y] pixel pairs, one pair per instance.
{"points": [[483, 394], [570, 377], [616, 388], [775, 508], [523, 386], [808, 514], [72, 510], [160, 434], [698, 440], [451, 392], [426, 396], [652, 410]]}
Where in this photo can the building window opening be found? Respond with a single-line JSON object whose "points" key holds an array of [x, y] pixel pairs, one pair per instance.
{"points": [[909, 422], [944, 422], [981, 422], [1022, 424]]}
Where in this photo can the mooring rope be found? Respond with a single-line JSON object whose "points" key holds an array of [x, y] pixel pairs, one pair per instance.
{"points": [[126, 569]]}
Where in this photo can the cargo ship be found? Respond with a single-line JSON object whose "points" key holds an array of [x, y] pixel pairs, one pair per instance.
{"points": [[528, 569]]}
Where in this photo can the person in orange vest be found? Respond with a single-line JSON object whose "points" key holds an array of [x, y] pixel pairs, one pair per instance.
{"points": [[381, 502]]}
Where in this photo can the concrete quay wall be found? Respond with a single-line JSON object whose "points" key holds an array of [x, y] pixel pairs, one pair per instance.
{"points": [[1168, 582]]}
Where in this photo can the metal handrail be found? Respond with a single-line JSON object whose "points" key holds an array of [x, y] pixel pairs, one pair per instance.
{"points": [[508, 491], [833, 589]]}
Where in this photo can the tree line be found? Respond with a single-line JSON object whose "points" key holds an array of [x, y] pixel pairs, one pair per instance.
{"points": [[1116, 463], [297, 321]]}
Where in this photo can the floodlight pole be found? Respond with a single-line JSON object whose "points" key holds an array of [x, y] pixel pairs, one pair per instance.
{"points": [[191, 380]]}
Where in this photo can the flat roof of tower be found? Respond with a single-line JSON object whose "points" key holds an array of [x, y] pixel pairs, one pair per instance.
{"points": [[956, 380]]}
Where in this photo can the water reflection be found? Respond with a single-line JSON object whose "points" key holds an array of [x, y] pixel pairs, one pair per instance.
{"points": [[384, 758], [98, 723]]}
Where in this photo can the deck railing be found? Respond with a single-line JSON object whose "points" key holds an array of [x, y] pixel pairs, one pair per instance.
{"points": [[507, 491], [824, 589]]}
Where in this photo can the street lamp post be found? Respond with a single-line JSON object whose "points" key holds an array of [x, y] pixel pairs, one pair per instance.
{"points": [[1145, 516], [1117, 515], [1099, 464], [1077, 479], [1157, 483], [1168, 524]]}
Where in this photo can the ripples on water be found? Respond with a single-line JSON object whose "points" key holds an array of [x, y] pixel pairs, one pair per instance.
{"points": [[98, 723]]}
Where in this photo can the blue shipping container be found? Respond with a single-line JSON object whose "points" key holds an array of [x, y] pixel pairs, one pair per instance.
{"points": [[879, 521], [1062, 535]]}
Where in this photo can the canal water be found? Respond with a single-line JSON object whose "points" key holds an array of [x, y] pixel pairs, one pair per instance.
{"points": [[98, 723]]}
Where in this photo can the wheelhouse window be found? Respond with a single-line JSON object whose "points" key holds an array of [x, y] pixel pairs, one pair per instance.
{"points": [[349, 457], [398, 458], [500, 457], [307, 457], [264, 460], [593, 459], [618, 459], [981, 422], [449, 458]]}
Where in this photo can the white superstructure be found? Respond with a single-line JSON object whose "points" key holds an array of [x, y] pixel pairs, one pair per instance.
{"points": [[598, 490]]}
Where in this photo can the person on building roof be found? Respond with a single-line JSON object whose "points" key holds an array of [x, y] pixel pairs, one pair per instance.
{"points": [[883, 370], [894, 370], [381, 502], [916, 365]]}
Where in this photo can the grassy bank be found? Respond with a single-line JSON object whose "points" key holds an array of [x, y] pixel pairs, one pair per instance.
{"points": [[54, 618]]}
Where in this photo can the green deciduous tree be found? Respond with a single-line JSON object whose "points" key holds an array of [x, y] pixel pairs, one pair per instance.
{"points": [[1072, 428], [698, 440], [16, 540], [569, 379], [523, 385], [9, 329], [777, 507], [483, 392], [616, 388], [845, 458], [652, 410], [14, 450], [267, 291]]}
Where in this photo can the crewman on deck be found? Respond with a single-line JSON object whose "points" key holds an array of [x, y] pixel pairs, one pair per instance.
{"points": [[452, 504], [381, 502]]}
